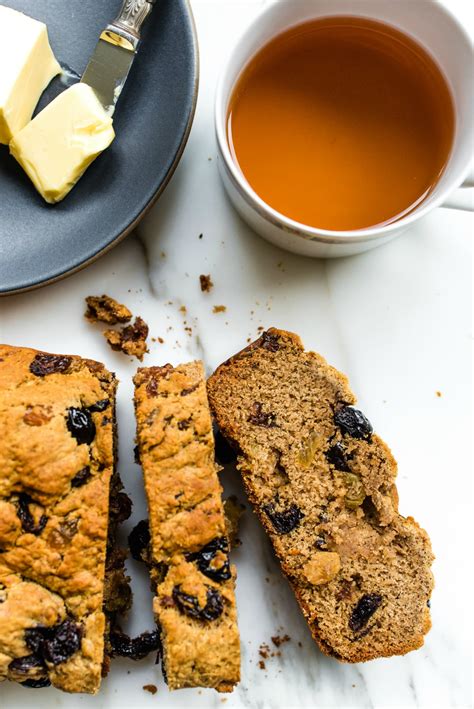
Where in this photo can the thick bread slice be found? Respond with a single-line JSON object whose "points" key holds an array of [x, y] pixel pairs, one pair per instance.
{"points": [[194, 601], [57, 481], [323, 487]]}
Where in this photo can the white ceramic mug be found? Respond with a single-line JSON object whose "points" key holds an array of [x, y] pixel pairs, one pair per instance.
{"points": [[432, 26]]}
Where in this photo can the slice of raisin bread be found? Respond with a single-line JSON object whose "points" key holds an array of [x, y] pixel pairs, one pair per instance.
{"points": [[323, 486], [194, 600], [62, 578]]}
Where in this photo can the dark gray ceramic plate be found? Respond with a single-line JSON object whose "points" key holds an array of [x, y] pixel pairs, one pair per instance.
{"points": [[40, 243]]}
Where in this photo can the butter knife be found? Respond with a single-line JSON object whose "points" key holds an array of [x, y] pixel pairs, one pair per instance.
{"points": [[116, 50]]}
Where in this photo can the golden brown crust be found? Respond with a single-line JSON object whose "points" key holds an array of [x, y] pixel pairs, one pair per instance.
{"points": [[195, 611], [318, 489], [54, 501]]}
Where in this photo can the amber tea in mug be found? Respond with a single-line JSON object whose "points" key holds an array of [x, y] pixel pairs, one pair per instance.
{"points": [[341, 123]]}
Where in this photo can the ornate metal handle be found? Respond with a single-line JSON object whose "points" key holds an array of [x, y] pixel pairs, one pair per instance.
{"points": [[130, 20]]}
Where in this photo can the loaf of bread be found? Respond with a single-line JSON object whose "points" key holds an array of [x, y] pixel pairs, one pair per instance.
{"points": [[60, 499], [323, 486], [188, 558]]}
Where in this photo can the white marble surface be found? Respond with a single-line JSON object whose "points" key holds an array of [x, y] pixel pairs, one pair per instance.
{"points": [[396, 320]]}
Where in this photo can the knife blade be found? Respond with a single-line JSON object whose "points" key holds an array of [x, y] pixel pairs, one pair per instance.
{"points": [[109, 66]]}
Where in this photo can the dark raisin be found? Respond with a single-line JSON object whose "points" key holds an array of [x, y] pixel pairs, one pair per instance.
{"points": [[152, 387], [36, 683], [353, 422], [27, 521], [224, 453], [190, 605], [189, 390], [34, 638], [286, 520], [99, 406], [24, 665], [139, 539], [136, 455], [335, 455], [134, 648], [81, 477], [205, 558], [44, 364], [321, 543], [80, 425], [269, 342], [65, 640], [363, 611], [120, 507], [184, 425], [261, 418]]}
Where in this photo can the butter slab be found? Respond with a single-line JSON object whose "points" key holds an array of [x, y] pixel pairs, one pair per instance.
{"points": [[60, 143], [27, 65]]}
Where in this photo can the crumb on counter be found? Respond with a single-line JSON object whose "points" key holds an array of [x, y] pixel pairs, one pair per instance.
{"points": [[264, 651], [103, 308], [183, 309], [280, 639], [206, 283], [130, 340], [219, 309], [152, 688], [261, 664], [439, 394]]}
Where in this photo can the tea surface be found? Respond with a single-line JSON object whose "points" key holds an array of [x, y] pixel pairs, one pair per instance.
{"points": [[341, 123]]}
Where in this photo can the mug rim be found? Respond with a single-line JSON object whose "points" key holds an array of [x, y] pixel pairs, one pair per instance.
{"points": [[278, 219]]}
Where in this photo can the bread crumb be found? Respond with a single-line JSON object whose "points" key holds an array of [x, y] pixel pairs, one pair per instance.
{"points": [[279, 640], [183, 309], [264, 651], [206, 283], [130, 340], [219, 309], [103, 308], [160, 340], [439, 394], [261, 664], [150, 688]]}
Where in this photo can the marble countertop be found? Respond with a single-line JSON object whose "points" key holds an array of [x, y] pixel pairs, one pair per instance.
{"points": [[397, 320]]}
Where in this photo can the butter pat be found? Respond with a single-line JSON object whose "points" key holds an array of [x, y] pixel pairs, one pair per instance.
{"points": [[27, 65], [60, 143]]}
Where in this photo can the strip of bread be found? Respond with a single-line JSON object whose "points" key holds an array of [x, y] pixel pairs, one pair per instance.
{"points": [[323, 487], [57, 471], [194, 601]]}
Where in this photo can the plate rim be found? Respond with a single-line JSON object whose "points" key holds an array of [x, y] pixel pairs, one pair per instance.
{"points": [[125, 232]]}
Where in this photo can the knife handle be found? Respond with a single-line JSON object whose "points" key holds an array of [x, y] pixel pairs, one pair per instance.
{"points": [[129, 22]]}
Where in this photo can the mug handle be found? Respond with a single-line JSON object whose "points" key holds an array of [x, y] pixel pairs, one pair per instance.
{"points": [[463, 197]]}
